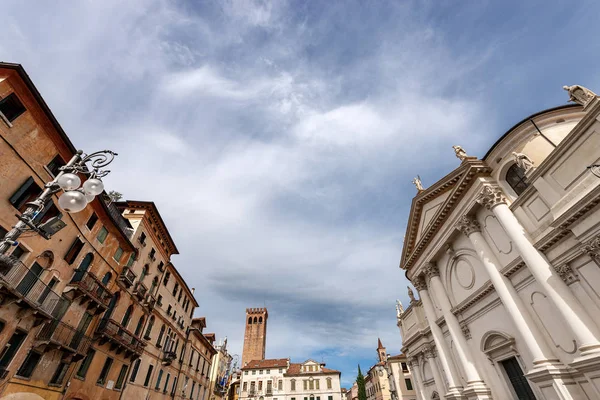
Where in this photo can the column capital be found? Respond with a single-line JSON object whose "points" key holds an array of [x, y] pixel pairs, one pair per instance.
{"points": [[466, 331], [468, 225], [413, 361], [592, 248], [419, 284], [566, 273], [428, 352], [491, 196], [431, 270]]}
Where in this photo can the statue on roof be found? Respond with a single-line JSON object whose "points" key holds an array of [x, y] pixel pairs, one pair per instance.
{"points": [[399, 309], [460, 153], [580, 95], [411, 294], [523, 161], [417, 182]]}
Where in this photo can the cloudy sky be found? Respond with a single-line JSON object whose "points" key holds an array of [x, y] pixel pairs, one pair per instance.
{"points": [[279, 139]]}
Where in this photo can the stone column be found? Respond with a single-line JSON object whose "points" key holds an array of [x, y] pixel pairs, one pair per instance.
{"points": [[419, 386], [532, 336], [454, 387], [476, 388], [573, 313], [429, 354]]}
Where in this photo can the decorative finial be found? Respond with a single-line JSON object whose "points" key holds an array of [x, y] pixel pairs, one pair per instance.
{"points": [[523, 161], [580, 95], [461, 154], [417, 182]]}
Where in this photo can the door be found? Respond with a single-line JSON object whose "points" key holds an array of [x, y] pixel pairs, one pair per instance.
{"points": [[80, 332], [517, 379], [30, 279]]}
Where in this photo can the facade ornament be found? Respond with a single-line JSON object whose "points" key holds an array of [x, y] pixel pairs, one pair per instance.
{"points": [[414, 362], [579, 94], [491, 196], [460, 153], [566, 273], [419, 284], [523, 161], [449, 249], [428, 351], [399, 309], [466, 331], [592, 248], [431, 270], [417, 182], [411, 295], [468, 225]]}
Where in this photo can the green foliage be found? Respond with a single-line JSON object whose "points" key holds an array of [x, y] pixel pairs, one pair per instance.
{"points": [[360, 382], [114, 195]]}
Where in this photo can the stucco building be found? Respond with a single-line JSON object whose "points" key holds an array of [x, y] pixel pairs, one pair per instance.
{"points": [[503, 252], [219, 371]]}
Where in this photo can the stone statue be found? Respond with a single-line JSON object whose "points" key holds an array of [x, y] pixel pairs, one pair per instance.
{"points": [[461, 154], [399, 309], [417, 182], [523, 161], [579, 94], [411, 294]]}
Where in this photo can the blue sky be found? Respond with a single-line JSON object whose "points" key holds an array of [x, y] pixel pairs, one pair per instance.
{"points": [[279, 139]]}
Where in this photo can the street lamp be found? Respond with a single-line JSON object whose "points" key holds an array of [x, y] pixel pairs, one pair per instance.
{"points": [[73, 200]]}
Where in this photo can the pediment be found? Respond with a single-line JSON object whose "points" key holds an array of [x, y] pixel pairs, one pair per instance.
{"points": [[431, 207]]}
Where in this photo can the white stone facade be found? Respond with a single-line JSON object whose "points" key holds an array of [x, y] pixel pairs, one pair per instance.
{"points": [[504, 253]]}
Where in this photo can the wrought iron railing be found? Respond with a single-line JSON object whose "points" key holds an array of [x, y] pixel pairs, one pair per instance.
{"points": [[63, 335], [169, 356], [118, 334], [25, 284], [91, 286]]}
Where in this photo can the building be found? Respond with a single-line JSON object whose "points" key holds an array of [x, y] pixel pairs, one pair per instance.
{"points": [[400, 378], [58, 305], [503, 252], [255, 335], [390, 378], [99, 310], [219, 372]]}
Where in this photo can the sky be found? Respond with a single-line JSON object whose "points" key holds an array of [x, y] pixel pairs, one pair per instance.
{"points": [[279, 139]]}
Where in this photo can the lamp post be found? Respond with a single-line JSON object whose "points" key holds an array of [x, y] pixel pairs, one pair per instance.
{"points": [[73, 200]]}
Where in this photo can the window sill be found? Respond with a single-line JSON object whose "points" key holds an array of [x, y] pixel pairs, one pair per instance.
{"points": [[81, 378], [6, 121], [23, 378]]}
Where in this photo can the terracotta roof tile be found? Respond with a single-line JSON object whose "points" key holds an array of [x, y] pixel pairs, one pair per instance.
{"points": [[400, 356], [295, 368], [269, 363]]}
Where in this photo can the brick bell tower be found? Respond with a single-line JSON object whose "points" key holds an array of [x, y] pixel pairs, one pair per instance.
{"points": [[255, 337]]}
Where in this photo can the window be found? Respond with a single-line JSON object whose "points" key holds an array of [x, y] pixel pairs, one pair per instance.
{"points": [[166, 383], [515, 177], [408, 384], [174, 386], [11, 348], [328, 383], [175, 289], [142, 238], [118, 254], [268, 372], [149, 328], [167, 276], [192, 391], [180, 294], [280, 385], [131, 260], [105, 370], [85, 364], [253, 372], [152, 253], [517, 379], [29, 364], [59, 374], [18, 252], [159, 301], [305, 382], [245, 387], [404, 367], [28, 191], [135, 370], [160, 374], [140, 325], [329, 397], [317, 384], [260, 372], [11, 107], [127, 316], [169, 310], [121, 378], [54, 165], [102, 234], [293, 386], [311, 385], [280, 370], [148, 375], [73, 251]]}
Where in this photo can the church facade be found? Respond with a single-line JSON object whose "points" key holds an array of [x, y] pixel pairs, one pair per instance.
{"points": [[504, 253]]}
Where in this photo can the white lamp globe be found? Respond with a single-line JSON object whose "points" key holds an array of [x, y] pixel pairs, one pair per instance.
{"points": [[93, 186], [72, 201], [89, 197], [69, 181]]}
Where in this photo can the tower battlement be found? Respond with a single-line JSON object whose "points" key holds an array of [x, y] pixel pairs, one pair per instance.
{"points": [[255, 336], [257, 311]]}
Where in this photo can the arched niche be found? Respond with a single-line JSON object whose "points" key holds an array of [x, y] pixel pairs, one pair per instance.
{"points": [[461, 276]]}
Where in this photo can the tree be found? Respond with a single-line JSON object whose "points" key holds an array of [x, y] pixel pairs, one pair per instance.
{"points": [[360, 382], [114, 195]]}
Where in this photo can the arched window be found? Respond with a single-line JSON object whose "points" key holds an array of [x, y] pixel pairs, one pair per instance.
{"points": [[154, 284], [149, 328], [250, 321], [111, 306], [106, 278], [167, 276], [144, 273], [328, 383], [160, 335], [255, 320], [83, 267], [515, 177], [260, 320], [127, 317], [140, 326], [175, 288]]}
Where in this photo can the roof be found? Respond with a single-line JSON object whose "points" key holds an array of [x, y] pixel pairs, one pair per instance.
{"points": [[400, 356], [211, 337], [269, 363], [379, 345], [295, 369]]}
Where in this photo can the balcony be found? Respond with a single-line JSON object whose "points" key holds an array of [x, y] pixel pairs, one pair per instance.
{"points": [[141, 241], [269, 392], [89, 289], [168, 357], [149, 302], [58, 335], [127, 276], [140, 290], [121, 339], [18, 281]]}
